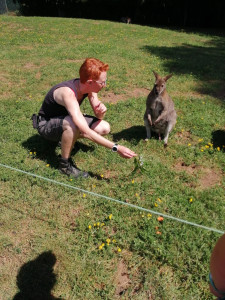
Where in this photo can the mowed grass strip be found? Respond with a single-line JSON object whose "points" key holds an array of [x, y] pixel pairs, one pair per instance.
{"points": [[77, 246]]}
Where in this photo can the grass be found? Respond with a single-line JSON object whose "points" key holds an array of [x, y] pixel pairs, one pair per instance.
{"points": [[51, 234]]}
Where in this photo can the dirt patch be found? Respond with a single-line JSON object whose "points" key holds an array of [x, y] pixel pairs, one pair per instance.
{"points": [[122, 280], [210, 178], [110, 97], [76, 61], [30, 66], [26, 47], [190, 169], [186, 138], [206, 177], [138, 92]]}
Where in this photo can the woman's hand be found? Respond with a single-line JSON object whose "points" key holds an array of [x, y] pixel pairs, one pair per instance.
{"points": [[100, 110], [125, 152]]}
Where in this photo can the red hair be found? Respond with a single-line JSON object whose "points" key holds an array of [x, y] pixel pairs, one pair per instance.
{"points": [[91, 69]]}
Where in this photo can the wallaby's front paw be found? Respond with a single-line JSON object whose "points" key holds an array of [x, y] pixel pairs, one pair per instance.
{"points": [[165, 145]]}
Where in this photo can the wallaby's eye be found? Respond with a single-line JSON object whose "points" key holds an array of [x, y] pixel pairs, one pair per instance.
{"points": [[162, 85]]}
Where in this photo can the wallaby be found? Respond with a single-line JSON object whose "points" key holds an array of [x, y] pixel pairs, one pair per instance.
{"points": [[125, 20], [160, 115]]}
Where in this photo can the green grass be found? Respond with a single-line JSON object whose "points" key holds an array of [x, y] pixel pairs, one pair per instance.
{"points": [[45, 241]]}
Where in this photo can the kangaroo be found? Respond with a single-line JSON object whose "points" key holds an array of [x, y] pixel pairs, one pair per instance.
{"points": [[160, 115]]}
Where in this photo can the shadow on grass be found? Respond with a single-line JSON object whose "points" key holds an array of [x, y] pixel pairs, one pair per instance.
{"points": [[134, 134], [36, 278], [218, 139], [204, 63], [46, 151]]}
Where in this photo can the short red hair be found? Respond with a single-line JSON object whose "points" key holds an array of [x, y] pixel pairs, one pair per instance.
{"points": [[91, 69]]}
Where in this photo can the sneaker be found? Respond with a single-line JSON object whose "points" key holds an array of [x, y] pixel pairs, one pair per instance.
{"points": [[69, 168]]}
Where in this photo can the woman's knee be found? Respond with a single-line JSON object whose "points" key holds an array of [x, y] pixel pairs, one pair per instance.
{"points": [[102, 128], [69, 127]]}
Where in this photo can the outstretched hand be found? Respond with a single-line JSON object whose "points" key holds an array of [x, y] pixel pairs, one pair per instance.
{"points": [[125, 152]]}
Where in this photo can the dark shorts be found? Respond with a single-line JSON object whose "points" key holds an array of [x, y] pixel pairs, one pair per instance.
{"points": [[52, 130]]}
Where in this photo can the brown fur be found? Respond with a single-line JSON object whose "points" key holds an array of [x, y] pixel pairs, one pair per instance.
{"points": [[160, 115]]}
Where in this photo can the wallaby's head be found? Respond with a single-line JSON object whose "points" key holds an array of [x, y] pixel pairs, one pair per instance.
{"points": [[160, 83]]}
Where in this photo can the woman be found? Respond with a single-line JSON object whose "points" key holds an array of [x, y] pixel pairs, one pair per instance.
{"points": [[60, 117]]}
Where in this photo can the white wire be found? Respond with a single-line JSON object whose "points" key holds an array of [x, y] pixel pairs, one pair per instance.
{"points": [[115, 200]]}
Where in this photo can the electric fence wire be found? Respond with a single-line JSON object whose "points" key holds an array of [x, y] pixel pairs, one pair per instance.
{"points": [[115, 200]]}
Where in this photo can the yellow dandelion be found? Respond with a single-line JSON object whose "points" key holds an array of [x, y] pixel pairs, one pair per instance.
{"points": [[136, 194], [102, 175], [114, 241], [35, 153], [190, 200], [110, 217], [31, 153], [118, 249], [102, 224], [132, 181], [206, 146], [156, 204], [158, 199], [89, 226], [218, 148], [94, 186], [100, 247], [71, 179], [108, 241], [103, 244], [47, 165], [98, 224], [202, 150], [84, 195], [94, 224], [189, 144], [143, 216], [149, 215]]}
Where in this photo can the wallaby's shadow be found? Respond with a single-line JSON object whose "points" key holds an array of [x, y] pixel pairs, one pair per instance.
{"points": [[46, 150], [36, 278], [134, 134], [218, 139]]}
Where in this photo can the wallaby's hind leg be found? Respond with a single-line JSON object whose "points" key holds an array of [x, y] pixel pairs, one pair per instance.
{"points": [[148, 129], [167, 132]]}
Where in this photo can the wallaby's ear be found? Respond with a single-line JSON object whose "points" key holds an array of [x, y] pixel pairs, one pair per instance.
{"points": [[156, 75], [167, 77]]}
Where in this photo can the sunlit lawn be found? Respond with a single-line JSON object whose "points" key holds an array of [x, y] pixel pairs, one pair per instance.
{"points": [[76, 244]]}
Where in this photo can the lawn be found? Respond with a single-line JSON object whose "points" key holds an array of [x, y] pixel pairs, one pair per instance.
{"points": [[69, 238]]}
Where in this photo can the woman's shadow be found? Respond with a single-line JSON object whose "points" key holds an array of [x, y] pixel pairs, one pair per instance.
{"points": [[36, 278], [46, 150]]}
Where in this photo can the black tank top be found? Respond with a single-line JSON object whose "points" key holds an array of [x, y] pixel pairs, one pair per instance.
{"points": [[50, 108]]}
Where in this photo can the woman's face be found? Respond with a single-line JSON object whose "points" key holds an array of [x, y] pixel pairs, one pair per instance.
{"points": [[97, 85]]}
